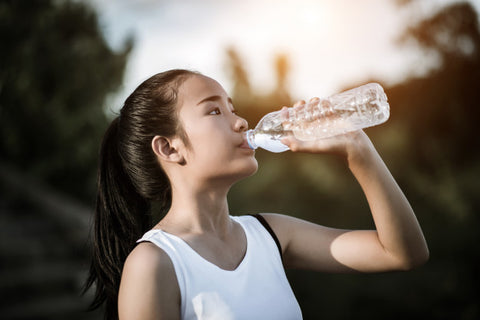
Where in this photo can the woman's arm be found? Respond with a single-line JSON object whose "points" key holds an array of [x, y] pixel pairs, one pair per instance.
{"points": [[149, 288], [396, 244]]}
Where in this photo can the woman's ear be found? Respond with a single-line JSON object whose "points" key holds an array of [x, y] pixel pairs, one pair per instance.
{"points": [[166, 150]]}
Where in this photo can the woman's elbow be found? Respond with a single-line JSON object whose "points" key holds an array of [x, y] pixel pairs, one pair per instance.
{"points": [[415, 260]]}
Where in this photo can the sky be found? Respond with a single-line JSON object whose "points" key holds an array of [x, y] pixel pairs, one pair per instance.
{"points": [[330, 43]]}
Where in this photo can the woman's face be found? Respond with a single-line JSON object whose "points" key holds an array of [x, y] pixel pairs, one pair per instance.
{"points": [[218, 148]]}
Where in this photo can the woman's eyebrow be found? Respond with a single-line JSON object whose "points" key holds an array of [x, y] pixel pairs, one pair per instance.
{"points": [[214, 98]]}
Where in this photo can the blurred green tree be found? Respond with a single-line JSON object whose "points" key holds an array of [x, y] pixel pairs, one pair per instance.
{"points": [[441, 110], [438, 113], [56, 71]]}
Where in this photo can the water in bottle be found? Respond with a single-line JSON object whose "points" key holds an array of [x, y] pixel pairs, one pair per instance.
{"points": [[355, 109]]}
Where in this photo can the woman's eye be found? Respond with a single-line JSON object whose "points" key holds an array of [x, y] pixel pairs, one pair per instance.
{"points": [[216, 111]]}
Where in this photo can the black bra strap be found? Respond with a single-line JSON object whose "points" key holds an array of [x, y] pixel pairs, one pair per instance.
{"points": [[270, 230]]}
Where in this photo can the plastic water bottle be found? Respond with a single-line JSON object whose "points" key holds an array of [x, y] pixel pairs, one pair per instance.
{"points": [[355, 109]]}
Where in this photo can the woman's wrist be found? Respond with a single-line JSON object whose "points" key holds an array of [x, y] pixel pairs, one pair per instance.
{"points": [[360, 151]]}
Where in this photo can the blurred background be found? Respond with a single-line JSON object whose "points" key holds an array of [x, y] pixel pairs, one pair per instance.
{"points": [[66, 67]]}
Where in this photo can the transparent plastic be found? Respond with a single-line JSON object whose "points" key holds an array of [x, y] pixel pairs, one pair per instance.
{"points": [[355, 109]]}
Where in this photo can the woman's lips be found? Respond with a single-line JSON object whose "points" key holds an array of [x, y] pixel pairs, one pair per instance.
{"points": [[245, 145]]}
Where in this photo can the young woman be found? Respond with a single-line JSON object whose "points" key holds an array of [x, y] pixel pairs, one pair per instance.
{"points": [[178, 140]]}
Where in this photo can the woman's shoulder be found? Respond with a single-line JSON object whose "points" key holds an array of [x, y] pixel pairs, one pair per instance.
{"points": [[148, 257], [148, 283]]}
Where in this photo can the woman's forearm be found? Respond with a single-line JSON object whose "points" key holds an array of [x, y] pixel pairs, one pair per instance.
{"points": [[398, 229]]}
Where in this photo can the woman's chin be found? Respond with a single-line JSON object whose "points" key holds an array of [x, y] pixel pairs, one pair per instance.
{"points": [[251, 169]]}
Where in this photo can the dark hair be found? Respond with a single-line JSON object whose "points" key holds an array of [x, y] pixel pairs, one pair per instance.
{"points": [[129, 179]]}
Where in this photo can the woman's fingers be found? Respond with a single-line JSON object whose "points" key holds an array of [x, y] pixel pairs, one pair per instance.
{"points": [[299, 104], [303, 115]]}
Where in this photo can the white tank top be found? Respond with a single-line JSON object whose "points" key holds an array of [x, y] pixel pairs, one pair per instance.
{"points": [[257, 289]]}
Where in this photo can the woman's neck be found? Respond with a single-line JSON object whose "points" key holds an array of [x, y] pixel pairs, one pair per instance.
{"points": [[198, 212]]}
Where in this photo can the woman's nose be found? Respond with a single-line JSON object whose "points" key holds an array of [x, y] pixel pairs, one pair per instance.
{"points": [[241, 124]]}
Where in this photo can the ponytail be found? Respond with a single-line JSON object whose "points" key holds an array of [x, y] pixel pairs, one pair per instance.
{"points": [[121, 217], [129, 179]]}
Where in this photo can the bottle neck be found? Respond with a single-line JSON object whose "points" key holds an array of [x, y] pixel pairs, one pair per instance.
{"points": [[250, 136]]}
